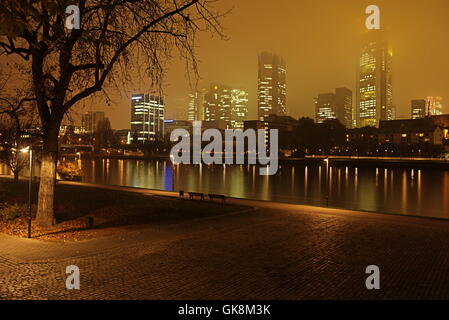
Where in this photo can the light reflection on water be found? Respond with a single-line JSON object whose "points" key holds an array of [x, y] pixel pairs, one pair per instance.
{"points": [[422, 192]]}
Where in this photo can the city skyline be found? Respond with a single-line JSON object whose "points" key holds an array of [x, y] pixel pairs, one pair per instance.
{"points": [[313, 67]]}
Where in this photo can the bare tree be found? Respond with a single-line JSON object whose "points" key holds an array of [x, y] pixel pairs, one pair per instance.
{"points": [[15, 114], [67, 66], [10, 146]]}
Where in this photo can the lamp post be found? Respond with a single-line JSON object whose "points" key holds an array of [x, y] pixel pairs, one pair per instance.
{"points": [[79, 159], [30, 152], [173, 173], [327, 181]]}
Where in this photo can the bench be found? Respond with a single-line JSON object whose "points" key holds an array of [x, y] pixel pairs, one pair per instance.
{"points": [[217, 196], [196, 194]]}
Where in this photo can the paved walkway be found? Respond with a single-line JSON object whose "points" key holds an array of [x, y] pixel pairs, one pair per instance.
{"points": [[276, 251]]}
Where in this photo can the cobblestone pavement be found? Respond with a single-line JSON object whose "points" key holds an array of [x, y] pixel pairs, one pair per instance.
{"points": [[276, 251]]}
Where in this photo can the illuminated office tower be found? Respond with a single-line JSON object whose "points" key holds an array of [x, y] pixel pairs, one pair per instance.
{"points": [[343, 106], [239, 105], [90, 119], [434, 106], [374, 83], [272, 86], [325, 107], [227, 104], [147, 117], [196, 106], [217, 104], [418, 110], [336, 105]]}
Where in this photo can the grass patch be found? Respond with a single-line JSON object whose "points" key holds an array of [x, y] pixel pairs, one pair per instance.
{"points": [[12, 211], [109, 208]]}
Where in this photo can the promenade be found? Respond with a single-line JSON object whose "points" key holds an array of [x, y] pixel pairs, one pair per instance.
{"points": [[272, 251]]}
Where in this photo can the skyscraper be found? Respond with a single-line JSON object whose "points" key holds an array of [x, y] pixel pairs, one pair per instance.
{"points": [[336, 105], [434, 106], [418, 110], [147, 117], [272, 86], [374, 82], [90, 119], [239, 105], [343, 106], [196, 106], [325, 107], [217, 103], [226, 103]]}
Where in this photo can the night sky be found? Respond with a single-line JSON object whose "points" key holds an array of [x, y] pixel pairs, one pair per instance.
{"points": [[319, 39]]}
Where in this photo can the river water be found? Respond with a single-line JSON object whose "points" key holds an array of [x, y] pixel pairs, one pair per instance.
{"points": [[422, 192]]}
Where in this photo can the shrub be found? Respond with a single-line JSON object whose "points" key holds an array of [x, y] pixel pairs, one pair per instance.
{"points": [[12, 211], [2, 192], [69, 171]]}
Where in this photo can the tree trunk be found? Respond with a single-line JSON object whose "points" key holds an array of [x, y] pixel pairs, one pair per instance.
{"points": [[45, 215], [16, 176]]}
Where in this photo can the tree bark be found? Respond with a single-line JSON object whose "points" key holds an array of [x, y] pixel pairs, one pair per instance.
{"points": [[45, 215]]}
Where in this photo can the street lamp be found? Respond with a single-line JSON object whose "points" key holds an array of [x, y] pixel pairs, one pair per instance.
{"points": [[79, 159], [172, 158], [327, 181], [30, 152]]}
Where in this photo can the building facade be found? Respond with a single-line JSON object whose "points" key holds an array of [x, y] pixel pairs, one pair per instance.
{"points": [[272, 86], [227, 104], [147, 117], [344, 106], [195, 110], [374, 96], [90, 119], [325, 107], [217, 103], [418, 109], [411, 132], [171, 125], [434, 106], [239, 105], [285, 125], [336, 105]]}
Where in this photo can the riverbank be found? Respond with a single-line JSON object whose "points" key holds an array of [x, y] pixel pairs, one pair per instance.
{"points": [[347, 161], [380, 162], [110, 210]]}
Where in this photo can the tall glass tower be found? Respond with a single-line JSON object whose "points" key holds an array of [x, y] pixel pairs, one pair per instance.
{"points": [[239, 104], [196, 106], [434, 106], [272, 86], [418, 110], [227, 104], [374, 81], [147, 117]]}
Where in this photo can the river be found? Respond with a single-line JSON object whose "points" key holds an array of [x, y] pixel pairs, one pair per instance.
{"points": [[421, 192]]}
